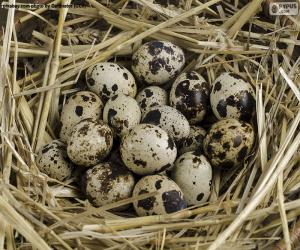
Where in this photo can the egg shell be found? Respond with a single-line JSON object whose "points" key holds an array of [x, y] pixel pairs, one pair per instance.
{"points": [[193, 174], [157, 62], [169, 119], [147, 149], [108, 79], [107, 183], [90, 142], [122, 113], [52, 160], [190, 95], [228, 143], [81, 105], [168, 200], [194, 141], [232, 97], [150, 97]]}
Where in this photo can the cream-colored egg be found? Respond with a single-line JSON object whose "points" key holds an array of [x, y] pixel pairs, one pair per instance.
{"points": [[169, 119], [90, 142], [122, 113], [232, 97], [81, 105], [194, 142], [52, 159], [150, 97], [157, 62], [190, 95], [168, 200], [228, 143], [193, 174], [147, 149], [106, 183], [108, 79]]}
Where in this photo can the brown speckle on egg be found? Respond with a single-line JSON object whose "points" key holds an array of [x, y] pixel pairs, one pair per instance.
{"points": [[109, 79], [52, 159], [90, 142], [190, 95], [108, 182], [168, 200], [81, 105], [157, 62], [232, 97], [228, 142], [147, 149]]}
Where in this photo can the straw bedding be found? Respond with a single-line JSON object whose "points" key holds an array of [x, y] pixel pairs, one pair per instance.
{"points": [[255, 206]]}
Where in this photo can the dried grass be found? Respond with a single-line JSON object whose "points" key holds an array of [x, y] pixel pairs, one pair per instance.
{"points": [[260, 205]]}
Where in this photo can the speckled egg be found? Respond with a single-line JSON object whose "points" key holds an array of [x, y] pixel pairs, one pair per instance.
{"points": [[90, 142], [232, 97], [168, 200], [81, 105], [169, 119], [228, 143], [190, 95], [108, 79], [150, 97], [193, 174], [194, 141], [147, 149], [157, 62], [122, 112], [52, 159], [107, 183]]}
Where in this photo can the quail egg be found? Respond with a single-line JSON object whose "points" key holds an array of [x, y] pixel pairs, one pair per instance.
{"points": [[150, 97], [228, 143], [107, 183], [169, 119], [190, 95], [157, 62], [194, 141], [147, 149], [90, 142], [52, 159], [232, 97], [193, 174], [122, 113], [108, 79], [81, 105], [168, 200]]}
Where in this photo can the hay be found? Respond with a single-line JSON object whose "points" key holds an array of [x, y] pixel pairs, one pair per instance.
{"points": [[254, 207]]}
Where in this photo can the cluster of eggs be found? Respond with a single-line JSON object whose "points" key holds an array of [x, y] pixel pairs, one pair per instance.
{"points": [[158, 143]]}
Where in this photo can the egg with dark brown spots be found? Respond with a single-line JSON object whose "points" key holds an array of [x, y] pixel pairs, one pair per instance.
{"points": [[122, 112], [169, 198], [193, 174], [52, 160], [169, 119], [106, 183], [157, 62], [108, 79], [228, 143], [190, 95], [232, 97], [194, 141], [150, 97], [81, 105], [148, 149], [90, 142]]}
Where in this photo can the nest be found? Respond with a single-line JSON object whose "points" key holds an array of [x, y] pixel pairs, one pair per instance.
{"points": [[255, 206]]}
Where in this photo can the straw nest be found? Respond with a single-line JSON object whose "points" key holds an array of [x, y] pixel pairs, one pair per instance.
{"points": [[253, 207]]}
